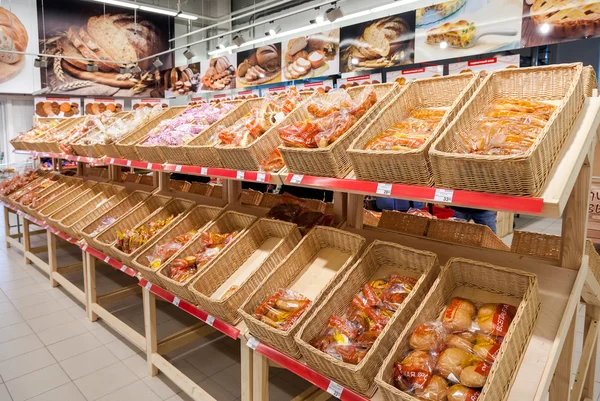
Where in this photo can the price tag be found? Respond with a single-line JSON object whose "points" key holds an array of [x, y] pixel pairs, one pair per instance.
{"points": [[384, 189], [78, 158], [261, 177], [178, 168], [84, 247], [239, 175], [204, 170], [149, 166], [443, 195], [296, 178], [279, 116], [112, 161], [252, 343], [123, 268], [335, 389], [128, 163], [210, 320], [148, 286], [69, 239], [106, 259], [176, 301]]}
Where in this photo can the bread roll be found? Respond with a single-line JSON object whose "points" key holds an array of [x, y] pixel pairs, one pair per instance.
{"points": [[459, 341], [487, 347], [435, 390], [458, 392], [428, 336], [495, 319], [13, 36], [414, 371], [475, 375], [459, 314], [452, 362]]}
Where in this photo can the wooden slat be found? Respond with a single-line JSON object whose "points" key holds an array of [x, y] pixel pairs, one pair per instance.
{"points": [[124, 292], [591, 339], [181, 380], [69, 287], [123, 329], [184, 337]]}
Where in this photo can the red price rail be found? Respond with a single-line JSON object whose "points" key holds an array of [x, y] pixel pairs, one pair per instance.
{"points": [[218, 324], [240, 175], [65, 156], [38, 222], [107, 259], [133, 163], [297, 367]]}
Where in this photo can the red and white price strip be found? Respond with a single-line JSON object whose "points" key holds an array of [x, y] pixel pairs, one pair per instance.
{"points": [[204, 170], [176, 301], [210, 320], [296, 179], [261, 177], [83, 248], [149, 166], [178, 168], [112, 161], [252, 343], [384, 189], [128, 163], [239, 175], [335, 389], [443, 195], [106, 259], [123, 268], [148, 286]]}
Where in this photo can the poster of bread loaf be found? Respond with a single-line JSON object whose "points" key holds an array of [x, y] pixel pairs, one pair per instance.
{"points": [[218, 73], [97, 106], [311, 56], [259, 66], [57, 107], [18, 32], [380, 43], [179, 81], [108, 35]]}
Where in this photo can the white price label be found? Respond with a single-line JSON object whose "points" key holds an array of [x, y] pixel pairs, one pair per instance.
{"points": [[178, 168], [384, 189], [69, 239], [296, 178], [106, 259], [112, 161], [149, 166], [176, 301], [123, 268], [148, 286], [252, 343], [261, 177], [128, 163], [335, 389], [78, 158], [443, 195], [204, 170], [279, 116], [239, 175], [84, 247], [210, 320]]}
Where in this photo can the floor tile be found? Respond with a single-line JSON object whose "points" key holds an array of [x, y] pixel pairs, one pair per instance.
{"points": [[62, 332], [137, 364], [221, 357], [66, 392], [88, 362], [4, 395], [22, 292], [136, 391], [35, 299], [122, 350], [50, 320], [74, 346], [10, 318], [32, 312], [26, 363], [19, 346], [189, 371], [105, 381], [17, 283], [105, 335], [77, 311], [15, 331], [216, 391], [6, 307], [162, 386], [230, 379], [181, 397], [36, 383]]}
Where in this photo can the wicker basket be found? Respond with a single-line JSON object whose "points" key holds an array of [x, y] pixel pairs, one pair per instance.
{"points": [[333, 160], [179, 185], [249, 157], [478, 282], [238, 257], [195, 220], [109, 149], [18, 144], [200, 188], [371, 218], [10, 199], [465, 233], [126, 145], [47, 142], [379, 261], [105, 240], [52, 142], [590, 81], [94, 150], [217, 191], [404, 222], [177, 208], [227, 222], [524, 174], [118, 211], [290, 270], [250, 197], [154, 153], [410, 167], [536, 244], [54, 194]]}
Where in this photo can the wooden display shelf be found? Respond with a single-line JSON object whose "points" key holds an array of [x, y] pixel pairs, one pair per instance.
{"points": [[108, 260]]}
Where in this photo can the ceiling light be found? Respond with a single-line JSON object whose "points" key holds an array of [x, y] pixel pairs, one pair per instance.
{"points": [[136, 69], [119, 3], [124, 69], [334, 13], [40, 62], [157, 63], [159, 11], [544, 28], [223, 45], [239, 40], [274, 30], [188, 53], [354, 15], [91, 67], [187, 16]]}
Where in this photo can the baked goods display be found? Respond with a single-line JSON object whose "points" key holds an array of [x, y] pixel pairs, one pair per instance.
{"points": [[55, 109], [78, 131], [13, 37], [97, 108], [348, 338], [128, 240], [508, 127], [295, 211], [163, 252], [31, 194], [220, 75], [454, 356], [431, 14], [331, 118], [39, 130], [122, 126], [282, 309], [260, 66], [18, 181], [308, 56], [456, 34], [567, 18], [273, 163], [181, 80], [136, 106]]}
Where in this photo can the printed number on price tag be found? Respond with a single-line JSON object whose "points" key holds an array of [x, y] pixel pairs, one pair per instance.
{"points": [[384, 189], [128, 163], [296, 178], [176, 301], [204, 170], [178, 168], [106, 259], [444, 195], [123, 268], [210, 320], [239, 175], [261, 177], [335, 389], [148, 286], [252, 343]]}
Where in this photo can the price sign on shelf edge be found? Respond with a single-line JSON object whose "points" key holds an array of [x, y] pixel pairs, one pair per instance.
{"points": [[296, 178], [239, 175], [203, 170], [252, 343], [261, 177], [176, 301], [384, 189], [335, 389], [443, 195]]}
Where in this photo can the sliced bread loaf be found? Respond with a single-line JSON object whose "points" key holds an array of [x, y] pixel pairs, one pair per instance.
{"points": [[68, 50], [73, 35], [100, 52], [112, 38], [387, 35]]}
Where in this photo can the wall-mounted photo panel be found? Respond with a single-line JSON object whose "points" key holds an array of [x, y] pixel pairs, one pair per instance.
{"points": [[57, 107], [311, 56], [259, 66], [135, 103], [218, 73], [357, 80], [485, 66], [182, 80], [404, 76], [323, 86], [274, 90], [96, 106], [247, 94]]}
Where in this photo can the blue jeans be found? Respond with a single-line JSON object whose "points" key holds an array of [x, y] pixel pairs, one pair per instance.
{"points": [[396, 204], [483, 217]]}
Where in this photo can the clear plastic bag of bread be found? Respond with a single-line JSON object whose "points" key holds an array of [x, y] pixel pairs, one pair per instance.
{"points": [[282, 309], [334, 101], [490, 318], [333, 126]]}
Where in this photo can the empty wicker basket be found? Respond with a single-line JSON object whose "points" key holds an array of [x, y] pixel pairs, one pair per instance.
{"points": [[465, 233], [404, 222]]}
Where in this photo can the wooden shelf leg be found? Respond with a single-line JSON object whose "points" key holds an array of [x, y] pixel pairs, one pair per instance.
{"points": [[592, 313], [52, 258], [246, 357], [260, 371], [6, 225], [149, 300], [26, 240], [89, 278], [561, 382], [355, 211]]}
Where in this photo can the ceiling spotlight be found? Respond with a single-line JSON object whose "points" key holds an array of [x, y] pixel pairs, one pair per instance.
{"points": [[188, 53], [91, 67], [136, 69], [334, 13], [187, 16], [124, 69], [157, 63], [239, 40], [40, 62], [275, 29], [223, 45]]}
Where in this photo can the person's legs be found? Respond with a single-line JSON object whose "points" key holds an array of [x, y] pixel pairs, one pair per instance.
{"points": [[486, 218], [462, 215]]}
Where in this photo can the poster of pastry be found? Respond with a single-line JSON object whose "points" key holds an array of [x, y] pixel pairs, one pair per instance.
{"points": [[311, 56], [57, 107], [18, 32], [179, 81], [547, 22], [96, 106], [259, 66], [459, 28], [247, 94], [218, 73], [380, 43], [405, 76], [110, 36], [321, 86], [486, 65], [135, 103], [365, 79]]}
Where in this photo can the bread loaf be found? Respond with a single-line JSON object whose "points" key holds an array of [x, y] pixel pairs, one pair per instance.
{"points": [[100, 53], [386, 36], [143, 36], [296, 44], [112, 38], [73, 35], [13, 36], [68, 50], [268, 58]]}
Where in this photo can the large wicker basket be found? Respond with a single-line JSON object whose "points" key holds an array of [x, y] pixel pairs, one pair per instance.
{"points": [[95, 150], [47, 142], [246, 254], [14, 198], [55, 195], [536, 244], [333, 161], [410, 167], [227, 222], [249, 157], [465, 233], [195, 220], [524, 174], [590, 80], [379, 261], [404, 222], [478, 282], [291, 270], [54, 139], [154, 153]]}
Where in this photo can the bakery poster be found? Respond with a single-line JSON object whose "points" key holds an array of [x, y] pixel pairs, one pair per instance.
{"points": [[259, 66], [57, 107], [322, 86], [102, 32], [221, 97], [405, 76], [136, 103], [459, 28], [18, 32], [486, 65], [218, 73], [247, 94], [181, 80], [365, 79], [381, 43], [315, 55], [274, 90], [96, 106]]}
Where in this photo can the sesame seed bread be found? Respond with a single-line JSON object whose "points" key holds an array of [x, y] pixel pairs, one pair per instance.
{"points": [[13, 36]]}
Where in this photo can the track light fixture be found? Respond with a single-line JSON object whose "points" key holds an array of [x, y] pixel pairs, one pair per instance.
{"points": [[274, 30], [223, 44], [136, 69], [41, 62], [92, 67], [334, 13], [239, 40], [157, 63], [189, 54]]}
